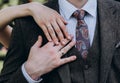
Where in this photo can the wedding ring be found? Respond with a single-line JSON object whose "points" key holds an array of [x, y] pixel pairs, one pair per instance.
{"points": [[62, 53], [48, 26]]}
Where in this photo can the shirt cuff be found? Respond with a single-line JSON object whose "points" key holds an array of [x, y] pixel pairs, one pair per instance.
{"points": [[27, 77]]}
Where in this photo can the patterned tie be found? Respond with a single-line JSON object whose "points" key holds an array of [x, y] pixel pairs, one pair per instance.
{"points": [[82, 35]]}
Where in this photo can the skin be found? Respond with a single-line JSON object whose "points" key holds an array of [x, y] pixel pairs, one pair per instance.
{"points": [[53, 54], [51, 23], [78, 3], [47, 57], [5, 36]]}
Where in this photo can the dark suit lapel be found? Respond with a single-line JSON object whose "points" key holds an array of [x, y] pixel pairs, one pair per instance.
{"points": [[63, 71], [107, 36]]}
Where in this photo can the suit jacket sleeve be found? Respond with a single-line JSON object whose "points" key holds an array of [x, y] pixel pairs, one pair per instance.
{"points": [[16, 56]]}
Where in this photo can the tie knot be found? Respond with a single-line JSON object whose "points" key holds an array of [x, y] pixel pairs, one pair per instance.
{"points": [[79, 14]]}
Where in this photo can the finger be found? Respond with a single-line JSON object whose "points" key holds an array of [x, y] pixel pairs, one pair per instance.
{"points": [[38, 42], [46, 33], [64, 29], [60, 46], [67, 60], [65, 49], [58, 32], [65, 22], [50, 44], [52, 34]]}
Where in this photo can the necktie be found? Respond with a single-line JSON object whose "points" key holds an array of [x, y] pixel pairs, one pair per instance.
{"points": [[82, 35]]}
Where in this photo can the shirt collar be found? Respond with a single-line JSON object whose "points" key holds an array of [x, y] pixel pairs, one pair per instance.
{"points": [[68, 9]]}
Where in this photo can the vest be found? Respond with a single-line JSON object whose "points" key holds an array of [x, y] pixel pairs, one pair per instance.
{"points": [[87, 71]]}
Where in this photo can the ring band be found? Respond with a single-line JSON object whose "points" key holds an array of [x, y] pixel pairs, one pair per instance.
{"points": [[48, 26], [62, 53]]}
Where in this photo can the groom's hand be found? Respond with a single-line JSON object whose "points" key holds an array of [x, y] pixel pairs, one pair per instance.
{"points": [[44, 59]]}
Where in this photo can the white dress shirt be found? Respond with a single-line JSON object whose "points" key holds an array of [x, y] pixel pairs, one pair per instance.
{"points": [[28, 78], [66, 10]]}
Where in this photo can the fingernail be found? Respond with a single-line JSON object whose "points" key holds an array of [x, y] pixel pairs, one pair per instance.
{"points": [[69, 37], [66, 22], [39, 37], [57, 43], [74, 57], [50, 40]]}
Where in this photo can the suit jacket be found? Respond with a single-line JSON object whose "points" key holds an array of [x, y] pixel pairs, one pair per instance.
{"points": [[25, 34], [117, 0]]}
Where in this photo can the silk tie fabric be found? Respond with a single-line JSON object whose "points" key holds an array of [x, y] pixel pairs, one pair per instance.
{"points": [[82, 33]]}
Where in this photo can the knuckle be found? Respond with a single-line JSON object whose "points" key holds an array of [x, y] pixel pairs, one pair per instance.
{"points": [[61, 36], [54, 37], [57, 30], [53, 59], [45, 31], [56, 64], [51, 52], [51, 32], [42, 24], [66, 41], [60, 17], [66, 60], [49, 28]]}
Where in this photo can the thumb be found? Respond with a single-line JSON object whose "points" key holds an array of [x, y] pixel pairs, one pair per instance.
{"points": [[38, 42]]}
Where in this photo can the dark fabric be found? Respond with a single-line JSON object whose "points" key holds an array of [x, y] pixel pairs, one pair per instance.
{"points": [[26, 33], [93, 61], [118, 0], [90, 67]]}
